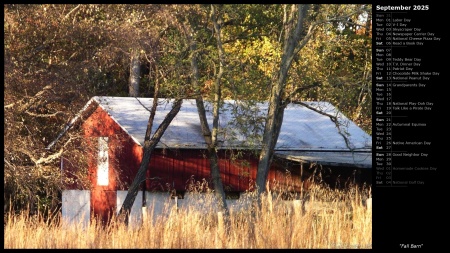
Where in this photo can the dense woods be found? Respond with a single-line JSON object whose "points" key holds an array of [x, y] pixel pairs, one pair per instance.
{"points": [[57, 56]]}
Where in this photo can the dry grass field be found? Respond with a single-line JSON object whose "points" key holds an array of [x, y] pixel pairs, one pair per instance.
{"points": [[330, 220]]}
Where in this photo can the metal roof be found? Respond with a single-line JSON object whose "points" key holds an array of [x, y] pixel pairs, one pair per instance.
{"points": [[302, 128], [333, 158]]}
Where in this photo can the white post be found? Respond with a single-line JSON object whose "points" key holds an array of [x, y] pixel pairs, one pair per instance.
{"points": [[220, 230], [176, 203], [369, 204], [144, 215]]}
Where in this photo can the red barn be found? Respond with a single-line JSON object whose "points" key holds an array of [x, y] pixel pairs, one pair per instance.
{"points": [[114, 128]]}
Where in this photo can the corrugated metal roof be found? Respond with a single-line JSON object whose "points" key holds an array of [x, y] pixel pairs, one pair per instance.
{"points": [[302, 128], [333, 158]]}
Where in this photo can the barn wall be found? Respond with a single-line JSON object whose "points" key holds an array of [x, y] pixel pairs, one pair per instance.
{"points": [[179, 168], [76, 207], [338, 177], [69, 171], [124, 156], [186, 169], [169, 169], [99, 124], [158, 204], [135, 216], [207, 203]]}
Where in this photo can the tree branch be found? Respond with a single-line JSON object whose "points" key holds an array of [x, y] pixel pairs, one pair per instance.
{"points": [[47, 159], [241, 37], [33, 100], [300, 89], [43, 115], [70, 12], [334, 119]]}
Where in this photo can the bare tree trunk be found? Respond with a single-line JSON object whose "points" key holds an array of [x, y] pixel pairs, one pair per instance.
{"points": [[135, 74], [212, 156], [215, 171], [210, 139], [364, 86], [293, 29], [149, 145], [295, 38], [359, 107]]}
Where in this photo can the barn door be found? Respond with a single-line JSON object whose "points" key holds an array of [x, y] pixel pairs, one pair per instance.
{"points": [[103, 195], [103, 203]]}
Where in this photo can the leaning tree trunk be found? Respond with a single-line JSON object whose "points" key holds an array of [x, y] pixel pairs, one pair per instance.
{"points": [[293, 28], [149, 145]]}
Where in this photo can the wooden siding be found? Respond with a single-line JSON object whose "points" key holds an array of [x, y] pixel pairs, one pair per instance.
{"points": [[179, 168], [124, 156], [103, 204]]}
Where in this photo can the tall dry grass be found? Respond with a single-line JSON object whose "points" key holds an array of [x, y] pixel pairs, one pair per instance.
{"points": [[328, 221]]}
